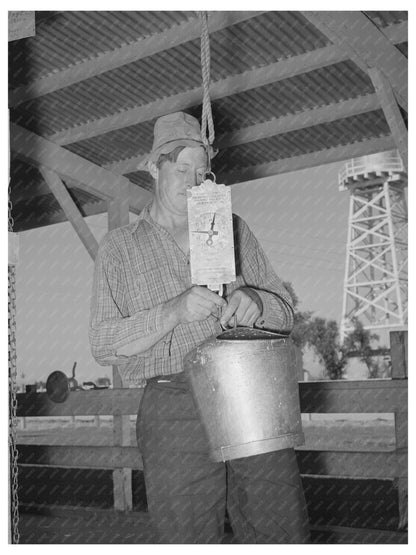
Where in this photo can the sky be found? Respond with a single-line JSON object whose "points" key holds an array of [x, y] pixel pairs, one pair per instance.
{"points": [[299, 218]]}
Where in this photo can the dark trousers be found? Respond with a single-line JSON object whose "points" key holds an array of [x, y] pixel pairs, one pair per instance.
{"points": [[187, 493]]}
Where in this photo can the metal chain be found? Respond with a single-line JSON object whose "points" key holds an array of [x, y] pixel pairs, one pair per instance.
{"points": [[206, 77], [11, 220], [13, 452]]}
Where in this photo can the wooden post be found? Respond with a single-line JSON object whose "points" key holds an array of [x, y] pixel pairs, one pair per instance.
{"points": [[71, 210], [398, 349], [391, 110], [118, 215]]}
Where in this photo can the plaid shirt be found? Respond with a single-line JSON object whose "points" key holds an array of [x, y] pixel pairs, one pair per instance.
{"points": [[139, 267]]}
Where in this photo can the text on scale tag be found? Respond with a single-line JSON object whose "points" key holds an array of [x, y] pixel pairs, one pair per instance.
{"points": [[211, 239]]}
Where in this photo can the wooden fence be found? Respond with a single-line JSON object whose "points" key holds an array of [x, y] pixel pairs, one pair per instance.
{"points": [[373, 396]]}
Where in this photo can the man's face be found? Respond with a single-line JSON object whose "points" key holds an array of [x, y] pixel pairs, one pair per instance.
{"points": [[174, 178]]}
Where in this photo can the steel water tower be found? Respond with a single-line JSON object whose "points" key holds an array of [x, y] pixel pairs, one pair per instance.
{"points": [[376, 283]]}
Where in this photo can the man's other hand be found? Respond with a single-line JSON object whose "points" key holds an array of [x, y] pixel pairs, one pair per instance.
{"points": [[246, 305]]}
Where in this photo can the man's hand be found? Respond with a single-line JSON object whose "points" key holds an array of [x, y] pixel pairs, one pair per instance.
{"points": [[245, 304], [194, 304]]}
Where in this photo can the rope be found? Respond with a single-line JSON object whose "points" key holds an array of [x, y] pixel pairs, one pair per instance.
{"points": [[206, 120], [13, 452]]}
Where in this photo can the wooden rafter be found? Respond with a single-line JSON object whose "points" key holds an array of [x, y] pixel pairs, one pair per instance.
{"points": [[278, 126], [391, 111], [71, 211], [304, 161], [366, 45], [396, 33], [107, 61], [118, 209], [76, 171], [235, 84]]}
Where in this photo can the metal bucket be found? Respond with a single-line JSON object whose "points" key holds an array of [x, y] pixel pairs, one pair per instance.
{"points": [[244, 383]]}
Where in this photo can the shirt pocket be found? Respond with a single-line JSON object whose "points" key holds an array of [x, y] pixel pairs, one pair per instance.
{"points": [[154, 287]]}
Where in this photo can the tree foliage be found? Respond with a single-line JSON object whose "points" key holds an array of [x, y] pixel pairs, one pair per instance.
{"points": [[323, 337], [359, 341]]}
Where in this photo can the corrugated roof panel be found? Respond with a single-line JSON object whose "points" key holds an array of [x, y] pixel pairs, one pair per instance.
{"points": [[323, 86], [142, 179], [295, 143], [117, 145], [70, 37], [320, 87], [259, 41], [289, 145]]}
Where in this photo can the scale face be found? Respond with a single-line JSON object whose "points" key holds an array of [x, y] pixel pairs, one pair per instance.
{"points": [[211, 239]]}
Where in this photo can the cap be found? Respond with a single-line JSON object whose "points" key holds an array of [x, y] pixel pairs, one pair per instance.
{"points": [[172, 130]]}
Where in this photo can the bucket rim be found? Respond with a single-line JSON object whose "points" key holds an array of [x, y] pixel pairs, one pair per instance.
{"points": [[250, 334]]}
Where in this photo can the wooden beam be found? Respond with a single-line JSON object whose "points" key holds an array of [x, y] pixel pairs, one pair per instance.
{"points": [[348, 535], [138, 197], [326, 397], [118, 210], [310, 160], [235, 84], [350, 464], [277, 126], [41, 152], [75, 170], [142, 48], [81, 456], [118, 215], [366, 45], [397, 32], [353, 396], [88, 403], [71, 211], [391, 111], [295, 122], [399, 354]]}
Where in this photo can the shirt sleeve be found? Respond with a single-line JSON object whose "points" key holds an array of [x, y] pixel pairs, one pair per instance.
{"points": [[254, 270], [111, 327]]}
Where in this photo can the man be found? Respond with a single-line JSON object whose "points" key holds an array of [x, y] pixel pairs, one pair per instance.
{"points": [[146, 316]]}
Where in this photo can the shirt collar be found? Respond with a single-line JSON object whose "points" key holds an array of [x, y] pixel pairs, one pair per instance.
{"points": [[144, 215]]}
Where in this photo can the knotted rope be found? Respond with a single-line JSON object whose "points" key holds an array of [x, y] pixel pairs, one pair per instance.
{"points": [[206, 120]]}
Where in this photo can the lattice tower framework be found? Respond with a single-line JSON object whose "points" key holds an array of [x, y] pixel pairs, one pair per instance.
{"points": [[376, 282]]}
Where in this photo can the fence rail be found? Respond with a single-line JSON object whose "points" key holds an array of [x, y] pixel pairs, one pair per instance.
{"points": [[383, 396], [373, 396], [338, 396]]}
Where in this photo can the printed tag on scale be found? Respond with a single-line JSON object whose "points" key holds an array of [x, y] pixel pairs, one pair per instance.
{"points": [[211, 238]]}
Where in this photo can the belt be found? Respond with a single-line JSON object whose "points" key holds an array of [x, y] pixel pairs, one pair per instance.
{"points": [[180, 378]]}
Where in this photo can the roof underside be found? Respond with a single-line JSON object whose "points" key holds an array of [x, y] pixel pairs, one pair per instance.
{"points": [[288, 91]]}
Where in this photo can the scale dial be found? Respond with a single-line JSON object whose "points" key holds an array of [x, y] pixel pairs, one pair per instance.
{"points": [[209, 229]]}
